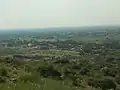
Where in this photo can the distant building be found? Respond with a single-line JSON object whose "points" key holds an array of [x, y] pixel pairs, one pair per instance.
{"points": [[29, 45]]}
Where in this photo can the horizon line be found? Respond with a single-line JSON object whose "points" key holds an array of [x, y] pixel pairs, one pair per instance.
{"points": [[117, 25]]}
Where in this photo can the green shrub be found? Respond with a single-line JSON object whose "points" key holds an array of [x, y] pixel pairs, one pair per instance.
{"points": [[2, 79], [3, 72], [49, 71], [27, 78], [104, 83], [92, 82]]}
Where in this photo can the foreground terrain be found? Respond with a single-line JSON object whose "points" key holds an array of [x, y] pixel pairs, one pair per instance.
{"points": [[87, 59]]}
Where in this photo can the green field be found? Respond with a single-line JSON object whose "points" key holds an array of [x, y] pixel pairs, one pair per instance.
{"points": [[89, 38]]}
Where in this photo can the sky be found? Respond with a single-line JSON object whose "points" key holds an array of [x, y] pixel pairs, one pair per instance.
{"points": [[58, 13]]}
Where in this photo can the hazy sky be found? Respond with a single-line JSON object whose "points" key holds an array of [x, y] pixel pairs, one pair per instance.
{"points": [[58, 13]]}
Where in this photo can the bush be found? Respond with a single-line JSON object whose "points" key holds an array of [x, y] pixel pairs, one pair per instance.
{"points": [[117, 79], [77, 82], [49, 71], [2, 80], [3, 72], [92, 82], [27, 78], [104, 83]]}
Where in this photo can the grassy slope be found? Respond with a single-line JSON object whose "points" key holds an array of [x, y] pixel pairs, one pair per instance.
{"points": [[49, 85]]}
